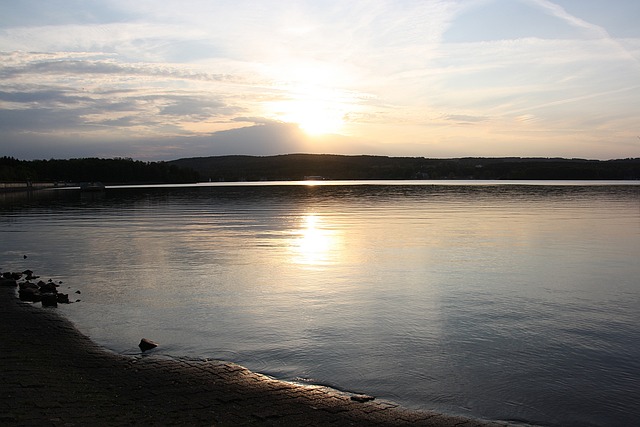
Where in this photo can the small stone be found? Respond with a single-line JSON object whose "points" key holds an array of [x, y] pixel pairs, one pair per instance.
{"points": [[147, 344], [48, 288], [29, 285], [78, 292], [29, 294], [49, 300], [362, 398]]}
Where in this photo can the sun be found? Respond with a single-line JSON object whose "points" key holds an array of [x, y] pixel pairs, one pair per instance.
{"points": [[315, 117], [310, 96]]}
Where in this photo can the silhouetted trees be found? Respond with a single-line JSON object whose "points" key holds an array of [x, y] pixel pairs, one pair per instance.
{"points": [[297, 166], [118, 170]]}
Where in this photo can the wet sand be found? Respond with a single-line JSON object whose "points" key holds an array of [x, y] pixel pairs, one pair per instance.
{"points": [[51, 374]]}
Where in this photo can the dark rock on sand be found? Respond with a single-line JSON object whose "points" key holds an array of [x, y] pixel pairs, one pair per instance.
{"points": [[362, 398], [29, 285], [49, 300], [48, 287], [146, 344], [30, 295], [29, 275], [63, 298]]}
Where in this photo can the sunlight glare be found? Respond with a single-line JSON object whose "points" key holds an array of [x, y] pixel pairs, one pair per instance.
{"points": [[311, 99], [313, 244], [315, 117]]}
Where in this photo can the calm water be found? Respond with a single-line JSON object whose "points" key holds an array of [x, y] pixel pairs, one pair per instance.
{"points": [[497, 301]]}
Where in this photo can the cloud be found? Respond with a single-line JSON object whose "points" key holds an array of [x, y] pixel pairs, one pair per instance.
{"points": [[464, 119], [37, 64], [94, 94], [40, 97], [597, 31], [257, 120], [37, 120], [263, 139], [269, 138]]}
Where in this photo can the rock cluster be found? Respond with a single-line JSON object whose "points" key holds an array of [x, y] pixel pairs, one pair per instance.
{"points": [[44, 292], [47, 294]]}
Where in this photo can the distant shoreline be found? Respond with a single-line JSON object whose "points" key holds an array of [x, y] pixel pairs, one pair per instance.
{"points": [[296, 167], [16, 188]]}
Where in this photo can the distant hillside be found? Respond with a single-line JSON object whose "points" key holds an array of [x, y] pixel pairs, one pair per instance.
{"points": [[108, 171], [299, 166]]}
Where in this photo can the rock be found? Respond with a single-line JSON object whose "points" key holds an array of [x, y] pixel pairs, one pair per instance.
{"points": [[30, 275], [48, 287], [12, 276], [78, 292], [29, 285], [29, 294], [49, 300], [146, 344], [362, 398], [63, 298]]}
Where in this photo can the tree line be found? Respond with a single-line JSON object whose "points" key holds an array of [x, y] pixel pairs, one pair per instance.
{"points": [[299, 166], [108, 171]]}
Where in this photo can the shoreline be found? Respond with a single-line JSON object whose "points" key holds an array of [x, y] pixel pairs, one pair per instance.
{"points": [[52, 373]]}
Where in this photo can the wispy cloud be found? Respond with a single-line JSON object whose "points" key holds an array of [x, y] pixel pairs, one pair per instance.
{"points": [[74, 64], [596, 30]]}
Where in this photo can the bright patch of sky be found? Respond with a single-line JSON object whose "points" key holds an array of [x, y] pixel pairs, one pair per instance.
{"points": [[436, 78]]}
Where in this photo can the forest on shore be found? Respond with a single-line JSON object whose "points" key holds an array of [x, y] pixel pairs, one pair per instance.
{"points": [[327, 166], [108, 171], [293, 167]]}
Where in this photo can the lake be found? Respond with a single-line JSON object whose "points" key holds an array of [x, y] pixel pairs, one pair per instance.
{"points": [[505, 301]]}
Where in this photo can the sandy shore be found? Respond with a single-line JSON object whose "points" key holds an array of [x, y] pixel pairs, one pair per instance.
{"points": [[51, 374]]}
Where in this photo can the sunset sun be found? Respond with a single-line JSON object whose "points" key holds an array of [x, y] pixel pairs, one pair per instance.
{"points": [[311, 98], [315, 117]]}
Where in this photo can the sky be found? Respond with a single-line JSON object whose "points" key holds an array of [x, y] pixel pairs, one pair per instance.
{"points": [[162, 80]]}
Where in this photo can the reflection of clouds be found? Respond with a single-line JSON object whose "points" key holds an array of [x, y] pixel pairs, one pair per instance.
{"points": [[314, 244]]}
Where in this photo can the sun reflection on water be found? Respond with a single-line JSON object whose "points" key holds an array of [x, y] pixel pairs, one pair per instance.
{"points": [[314, 242]]}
